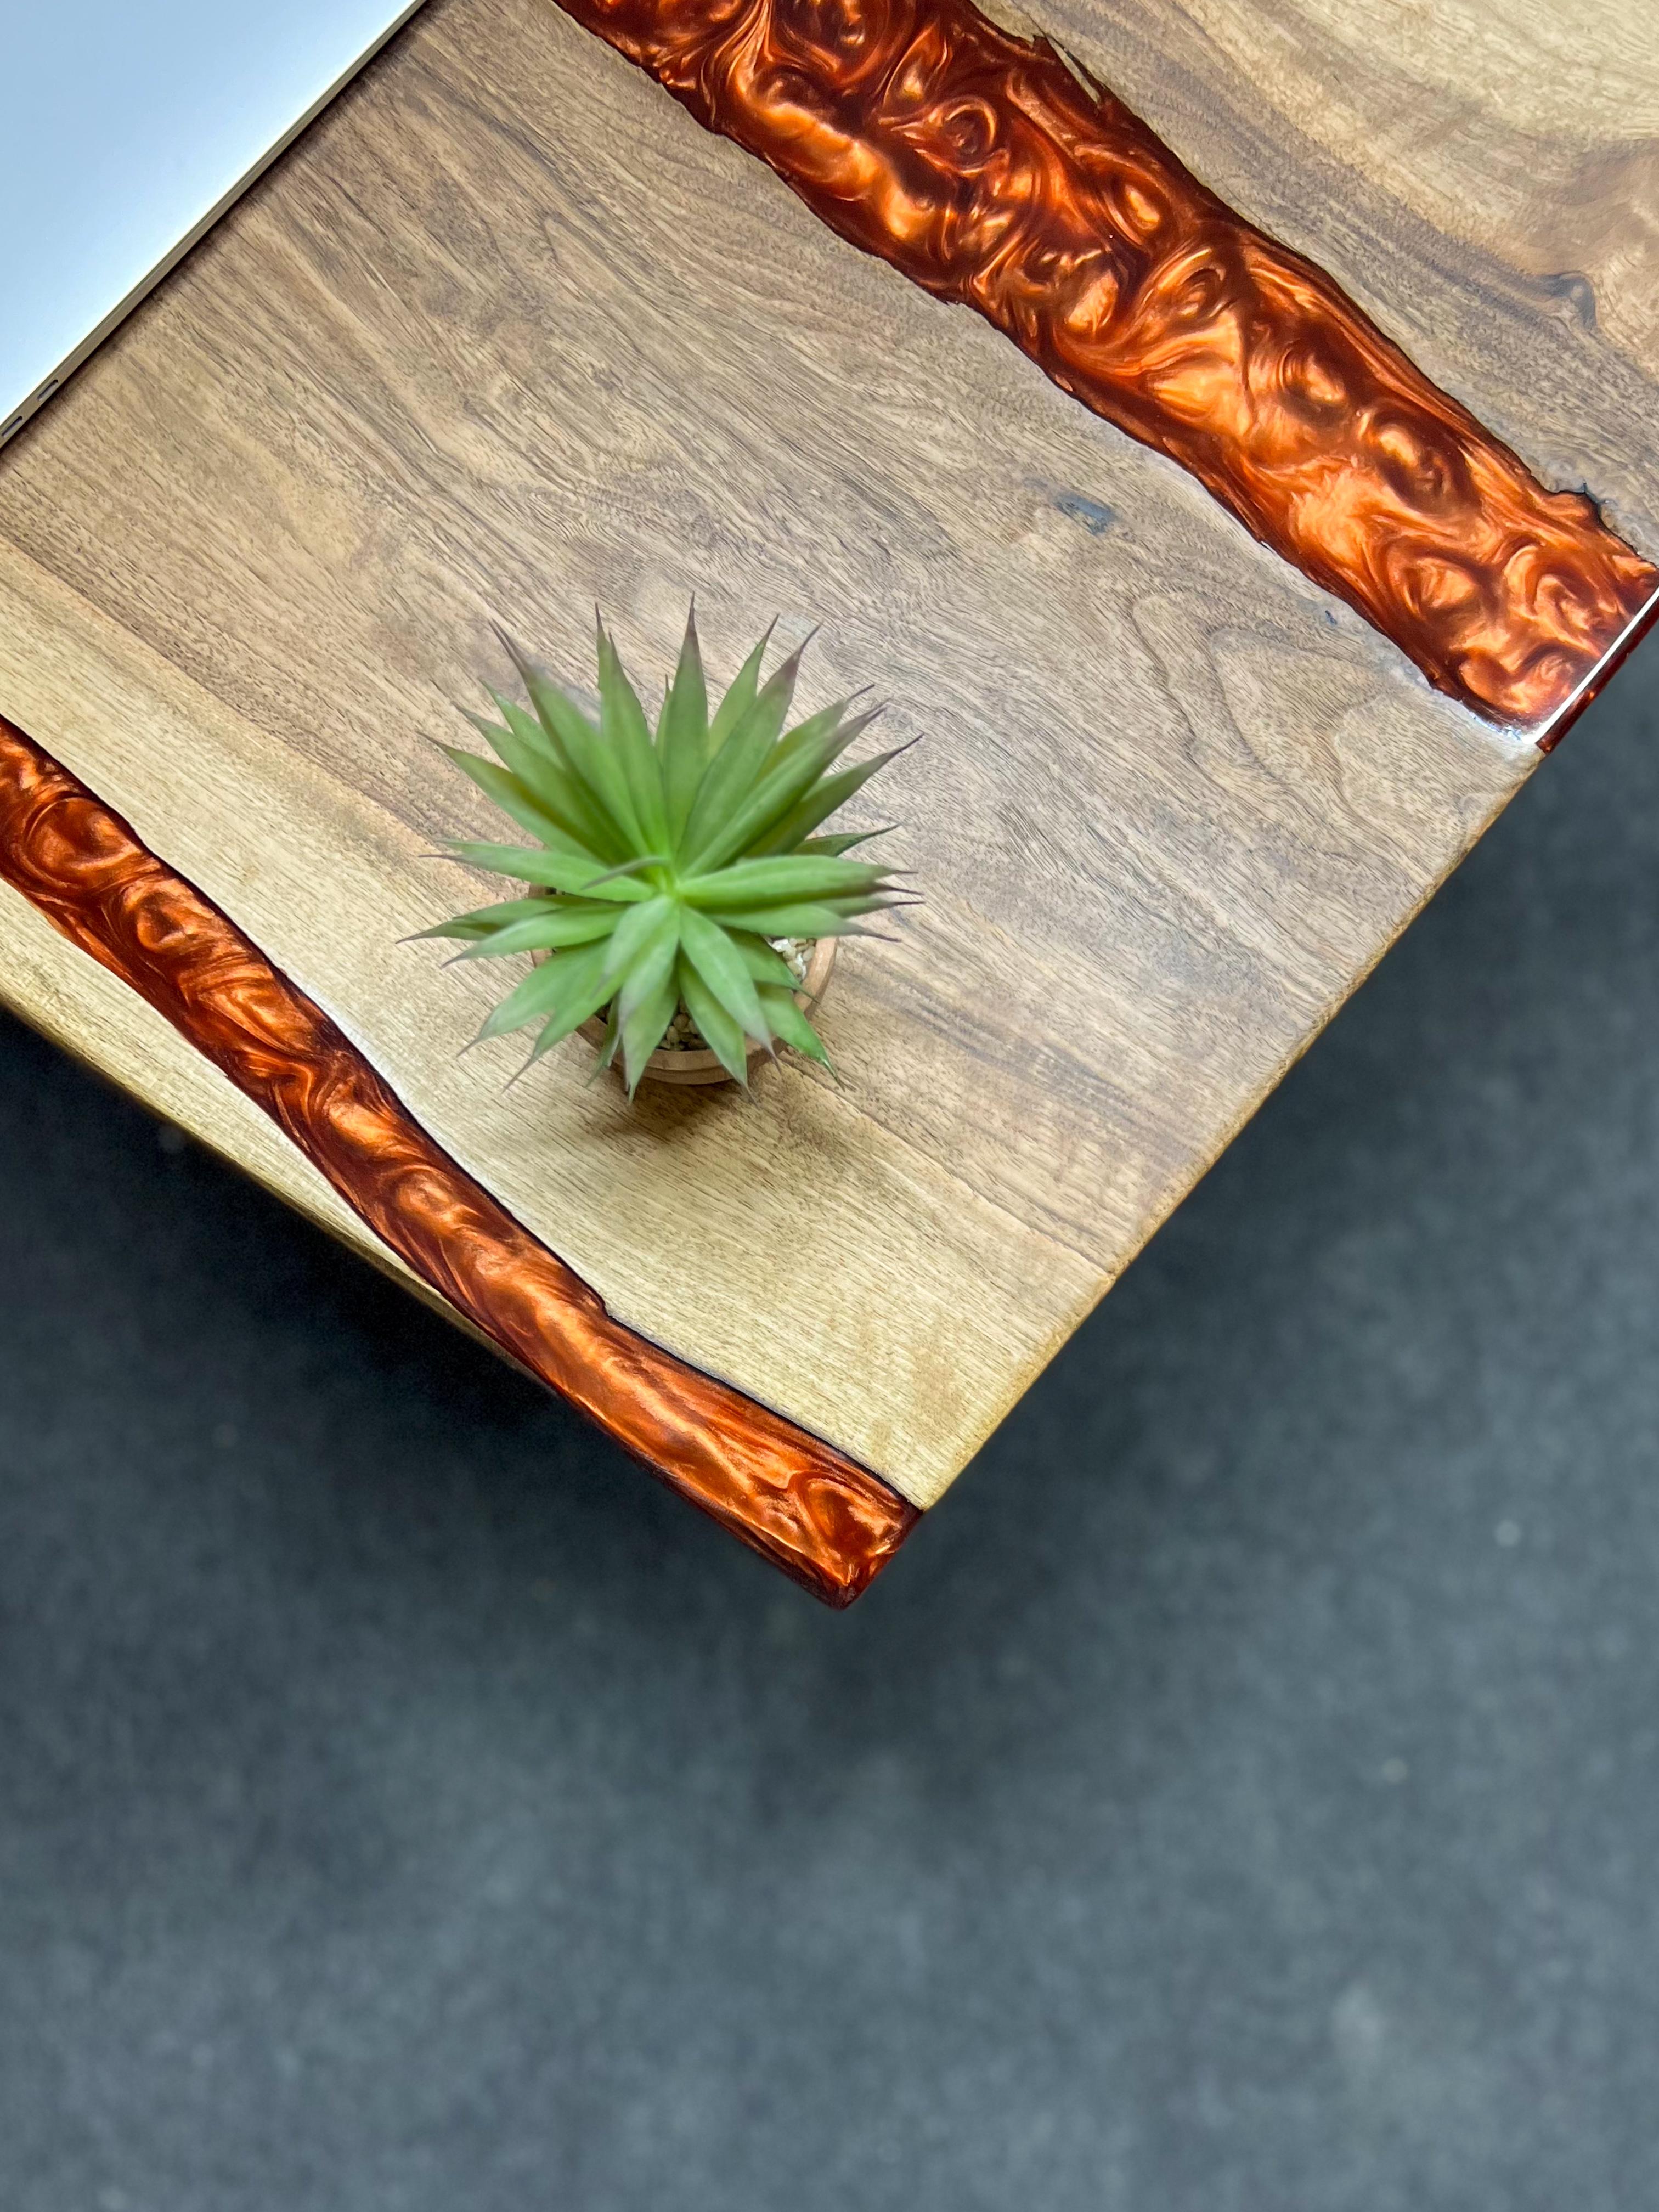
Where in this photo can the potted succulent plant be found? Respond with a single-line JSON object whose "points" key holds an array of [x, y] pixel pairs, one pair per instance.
{"points": [[683, 896]]}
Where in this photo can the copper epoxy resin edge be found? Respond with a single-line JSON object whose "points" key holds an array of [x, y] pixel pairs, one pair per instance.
{"points": [[975, 162], [827, 1522]]}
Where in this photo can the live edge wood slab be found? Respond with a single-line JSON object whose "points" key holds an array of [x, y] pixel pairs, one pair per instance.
{"points": [[1209, 709]]}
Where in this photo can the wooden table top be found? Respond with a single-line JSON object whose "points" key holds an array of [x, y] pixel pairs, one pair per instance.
{"points": [[508, 332]]}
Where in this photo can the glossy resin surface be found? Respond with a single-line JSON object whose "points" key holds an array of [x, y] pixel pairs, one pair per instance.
{"points": [[993, 173], [807, 1507]]}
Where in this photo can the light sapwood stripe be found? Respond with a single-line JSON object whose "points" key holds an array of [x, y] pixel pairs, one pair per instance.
{"points": [[826, 1521], [505, 334]]}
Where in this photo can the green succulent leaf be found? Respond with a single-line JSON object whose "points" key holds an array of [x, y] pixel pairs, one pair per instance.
{"points": [[645, 1007], [484, 918], [540, 765], [797, 763], [624, 732], [724, 970], [509, 794], [807, 919], [775, 882], [724, 1035], [591, 761], [553, 928], [560, 871], [663, 864], [764, 961], [682, 745], [731, 772], [646, 935], [567, 989], [609, 1044], [791, 1026], [739, 697], [822, 801], [845, 840]]}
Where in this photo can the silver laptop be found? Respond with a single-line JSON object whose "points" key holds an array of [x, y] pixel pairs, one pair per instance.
{"points": [[126, 127]]}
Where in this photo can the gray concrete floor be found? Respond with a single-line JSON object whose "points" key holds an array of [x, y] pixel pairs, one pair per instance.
{"points": [[1243, 1794]]}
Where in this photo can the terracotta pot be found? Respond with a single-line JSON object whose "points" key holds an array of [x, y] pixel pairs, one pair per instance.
{"points": [[701, 1066]]}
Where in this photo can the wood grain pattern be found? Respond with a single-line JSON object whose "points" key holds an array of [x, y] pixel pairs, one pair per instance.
{"points": [[1482, 175], [1529, 133], [506, 333], [978, 161], [824, 1521]]}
